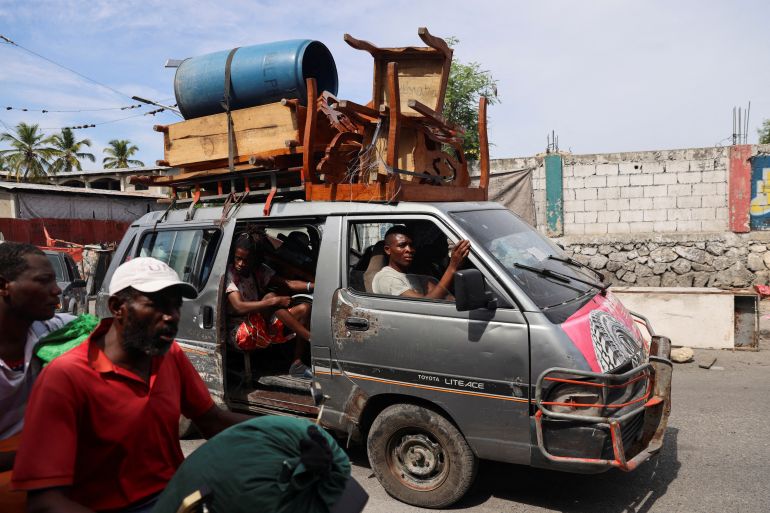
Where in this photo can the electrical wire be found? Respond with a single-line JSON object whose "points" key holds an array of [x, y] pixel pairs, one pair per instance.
{"points": [[94, 125], [46, 111], [13, 43]]}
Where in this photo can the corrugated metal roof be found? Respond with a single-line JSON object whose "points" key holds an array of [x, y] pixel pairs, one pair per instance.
{"points": [[60, 189], [122, 170], [119, 171]]}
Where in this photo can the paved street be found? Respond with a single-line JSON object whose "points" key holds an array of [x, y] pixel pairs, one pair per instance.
{"points": [[716, 457]]}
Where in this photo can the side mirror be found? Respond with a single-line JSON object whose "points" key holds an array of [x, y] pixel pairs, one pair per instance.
{"points": [[471, 292]]}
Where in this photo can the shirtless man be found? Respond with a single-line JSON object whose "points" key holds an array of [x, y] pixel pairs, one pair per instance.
{"points": [[393, 279]]}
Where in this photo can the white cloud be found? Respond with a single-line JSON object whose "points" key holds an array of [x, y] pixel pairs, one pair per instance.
{"points": [[606, 75]]}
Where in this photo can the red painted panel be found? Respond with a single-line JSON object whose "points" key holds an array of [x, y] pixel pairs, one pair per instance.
{"points": [[80, 231], [739, 183]]}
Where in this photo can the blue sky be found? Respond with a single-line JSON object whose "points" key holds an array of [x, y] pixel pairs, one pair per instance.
{"points": [[607, 76]]}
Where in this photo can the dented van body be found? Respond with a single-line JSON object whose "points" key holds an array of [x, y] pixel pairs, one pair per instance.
{"points": [[532, 362]]}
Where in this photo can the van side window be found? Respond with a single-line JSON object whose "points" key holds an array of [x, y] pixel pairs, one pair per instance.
{"points": [[407, 259], [189, 252]]}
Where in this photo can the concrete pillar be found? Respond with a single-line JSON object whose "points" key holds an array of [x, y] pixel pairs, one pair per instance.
{"points": [[554, 196], [739, 183]]}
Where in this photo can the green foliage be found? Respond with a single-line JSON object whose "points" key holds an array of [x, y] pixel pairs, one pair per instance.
{"points": [[69, 152], [30, 154], [467, 83], [120, 153], [764, 132]]}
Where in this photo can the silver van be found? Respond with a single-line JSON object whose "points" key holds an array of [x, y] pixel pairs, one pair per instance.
{"points": [[533, 361]]}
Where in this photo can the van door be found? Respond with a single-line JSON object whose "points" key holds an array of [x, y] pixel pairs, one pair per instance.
{"points": [[191, 249], [473, 365]]}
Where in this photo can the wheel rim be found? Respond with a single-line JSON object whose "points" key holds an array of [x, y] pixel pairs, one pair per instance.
{"points": [[417, 459]]}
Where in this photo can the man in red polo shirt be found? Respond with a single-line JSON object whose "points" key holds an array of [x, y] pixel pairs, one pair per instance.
{"points": [[102, 421]]}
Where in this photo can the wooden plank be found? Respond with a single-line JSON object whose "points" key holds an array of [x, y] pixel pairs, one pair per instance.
{"points": [[418, 80], [483, 146], [435, 42], [256, 129], [390, 192], [308, 162], [422, 192], [394, 121], [345, 192]]}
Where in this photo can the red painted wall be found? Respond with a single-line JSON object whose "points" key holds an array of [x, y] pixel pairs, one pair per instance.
{"points": [[740, 188], [81, 231]]}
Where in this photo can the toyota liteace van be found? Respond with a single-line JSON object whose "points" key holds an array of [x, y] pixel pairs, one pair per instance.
{"points": [[529, 359]]}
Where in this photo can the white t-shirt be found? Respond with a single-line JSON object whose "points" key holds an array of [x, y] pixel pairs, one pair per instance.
{"points": [[15, 386], [393, 283]]}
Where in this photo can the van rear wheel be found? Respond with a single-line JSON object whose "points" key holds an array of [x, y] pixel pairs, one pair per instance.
{"points": [[420, 457]]}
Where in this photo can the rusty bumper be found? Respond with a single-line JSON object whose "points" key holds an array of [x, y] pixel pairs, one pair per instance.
{"points": [[652, 404]]}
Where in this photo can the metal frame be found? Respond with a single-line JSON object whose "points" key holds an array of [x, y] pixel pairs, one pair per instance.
{"points": [[656, 408]]}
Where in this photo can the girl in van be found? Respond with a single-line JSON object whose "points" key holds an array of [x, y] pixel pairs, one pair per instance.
{"points": [[258, 318]]}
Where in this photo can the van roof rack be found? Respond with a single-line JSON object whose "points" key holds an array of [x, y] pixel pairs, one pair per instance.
{"points": [[392, 149]]}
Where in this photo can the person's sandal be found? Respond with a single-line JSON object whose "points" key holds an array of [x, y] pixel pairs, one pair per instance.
{"points": [[300, 370]]}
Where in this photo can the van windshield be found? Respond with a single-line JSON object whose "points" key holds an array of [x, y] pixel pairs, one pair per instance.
{"points": [[537, 265]]}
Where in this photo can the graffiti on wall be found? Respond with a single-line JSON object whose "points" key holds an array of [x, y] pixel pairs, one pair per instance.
{"points": [[760, 193]]}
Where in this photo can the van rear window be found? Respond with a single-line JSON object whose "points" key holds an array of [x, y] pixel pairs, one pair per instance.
{"points": [[189, 252]]}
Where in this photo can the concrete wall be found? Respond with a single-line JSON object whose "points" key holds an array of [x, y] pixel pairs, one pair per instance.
{"points": [[646, 192], [666, 191], [7, 206], [656, 218]]}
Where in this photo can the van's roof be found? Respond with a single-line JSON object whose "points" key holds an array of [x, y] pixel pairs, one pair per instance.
{"points": [[317, 208]]}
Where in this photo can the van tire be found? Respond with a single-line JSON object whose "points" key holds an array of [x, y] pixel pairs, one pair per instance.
{"points": [[420, 457]]}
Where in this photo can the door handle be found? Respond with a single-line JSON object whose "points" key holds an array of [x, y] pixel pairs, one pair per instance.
{"points": [[357, 324], [207, 317]]}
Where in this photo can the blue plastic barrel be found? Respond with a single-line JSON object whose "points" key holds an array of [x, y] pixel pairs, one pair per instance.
{"points": [[259, 74]]}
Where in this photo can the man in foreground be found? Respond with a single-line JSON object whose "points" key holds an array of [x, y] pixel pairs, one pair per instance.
{"points": [[102, 422], [394, 280], [29, 297]]}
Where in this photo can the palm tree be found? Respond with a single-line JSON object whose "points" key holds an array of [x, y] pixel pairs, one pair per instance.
{"points": [[30, 155], [120, 153], [69, 155]]}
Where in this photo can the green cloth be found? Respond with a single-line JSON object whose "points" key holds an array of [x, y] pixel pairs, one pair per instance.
{"points": [[65, 338], [254, 467]]}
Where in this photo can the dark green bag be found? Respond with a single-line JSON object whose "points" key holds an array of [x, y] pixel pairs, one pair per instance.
{"points": [[266, 464]]}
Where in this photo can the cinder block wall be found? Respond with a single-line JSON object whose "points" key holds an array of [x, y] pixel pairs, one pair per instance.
{"points": [[644, 192]]}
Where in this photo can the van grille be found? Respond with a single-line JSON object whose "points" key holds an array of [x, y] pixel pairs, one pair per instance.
{"points": [[630, 431]]}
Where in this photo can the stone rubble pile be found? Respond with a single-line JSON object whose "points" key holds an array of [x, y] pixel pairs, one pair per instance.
{"points": [[720, 260]]}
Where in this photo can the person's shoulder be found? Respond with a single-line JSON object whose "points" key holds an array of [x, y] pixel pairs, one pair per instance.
{"points": [[385, 272], [43, 328], [67, 366]]}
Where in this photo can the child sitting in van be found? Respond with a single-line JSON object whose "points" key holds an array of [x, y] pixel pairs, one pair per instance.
{"points": [[257, 318]]}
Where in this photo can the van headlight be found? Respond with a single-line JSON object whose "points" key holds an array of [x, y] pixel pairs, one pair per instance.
{"points": [[581, 400]]}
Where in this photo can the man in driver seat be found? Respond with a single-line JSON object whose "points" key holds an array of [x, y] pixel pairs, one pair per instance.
{"points": [[394, 279]]}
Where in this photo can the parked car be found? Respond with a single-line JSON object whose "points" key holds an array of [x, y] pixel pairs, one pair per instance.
{"points": [[533, 361], [73, 297]]}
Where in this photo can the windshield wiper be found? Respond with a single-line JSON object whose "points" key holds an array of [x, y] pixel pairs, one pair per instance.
{"points": [[575, 263], [562, 277]]}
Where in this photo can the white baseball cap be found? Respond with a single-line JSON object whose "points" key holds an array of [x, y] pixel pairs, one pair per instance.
{"points": [[147, 274]]}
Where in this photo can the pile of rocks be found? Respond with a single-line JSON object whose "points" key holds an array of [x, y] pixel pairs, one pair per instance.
{"points": [[723, 260]]}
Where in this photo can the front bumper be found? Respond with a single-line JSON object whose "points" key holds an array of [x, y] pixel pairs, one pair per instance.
{"points": [[647, 415]]}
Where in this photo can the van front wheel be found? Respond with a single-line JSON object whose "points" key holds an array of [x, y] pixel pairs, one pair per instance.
{"points": [[420, 457]]}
